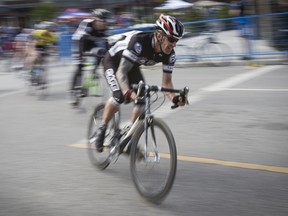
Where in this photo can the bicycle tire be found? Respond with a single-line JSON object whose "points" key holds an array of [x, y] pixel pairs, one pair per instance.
{"points": [[37, 84], [42, 87], [145, 184], [99, 160], [216, 54], [75, 94]]}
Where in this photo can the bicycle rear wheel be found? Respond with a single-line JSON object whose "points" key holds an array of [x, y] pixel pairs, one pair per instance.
{"points": [[76, 94], [43, 90], [37, 82], [153, 175], [99, 159]]}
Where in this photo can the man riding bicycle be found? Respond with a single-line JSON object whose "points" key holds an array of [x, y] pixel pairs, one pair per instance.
{"points": [[43, 36], [89, 39], [122, 67]]}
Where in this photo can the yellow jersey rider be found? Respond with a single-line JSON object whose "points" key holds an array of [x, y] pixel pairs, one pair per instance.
{"points": [[42, 36]]}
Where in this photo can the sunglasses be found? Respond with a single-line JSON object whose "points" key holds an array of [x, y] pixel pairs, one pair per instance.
{"points": [[172, 39]]}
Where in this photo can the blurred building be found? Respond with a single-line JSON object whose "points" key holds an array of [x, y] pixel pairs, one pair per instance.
{"points": [[18, 12]]}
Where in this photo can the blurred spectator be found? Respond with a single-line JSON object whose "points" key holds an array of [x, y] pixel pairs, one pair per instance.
{"points": [[245, 27], [65, 42], [280, 25], [7, 40]]}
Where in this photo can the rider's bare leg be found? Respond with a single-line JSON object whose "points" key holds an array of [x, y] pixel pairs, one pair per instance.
{"points": [[109, 110], [136, 113]]}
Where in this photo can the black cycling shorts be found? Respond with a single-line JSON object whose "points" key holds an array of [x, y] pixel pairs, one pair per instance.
{"points": [[42, 49]]}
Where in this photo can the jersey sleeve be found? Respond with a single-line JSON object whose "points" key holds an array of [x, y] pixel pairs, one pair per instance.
{"points": [[133, 50], [169, 62]]}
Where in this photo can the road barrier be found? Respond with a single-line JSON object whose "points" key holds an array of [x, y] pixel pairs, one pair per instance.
{"points": [[263, 35]]}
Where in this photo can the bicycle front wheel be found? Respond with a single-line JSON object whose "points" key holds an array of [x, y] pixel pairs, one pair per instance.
{"points": [[153, 167]]}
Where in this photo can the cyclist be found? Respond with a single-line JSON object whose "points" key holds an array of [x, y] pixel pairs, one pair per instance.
{"points": [[89, 38], [42, 37], [122, 66]]}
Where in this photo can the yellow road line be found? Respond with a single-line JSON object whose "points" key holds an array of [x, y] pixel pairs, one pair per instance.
{"points": [[217, 162], [234, 164]]}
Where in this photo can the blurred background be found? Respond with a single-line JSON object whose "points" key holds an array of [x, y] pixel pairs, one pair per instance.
{"points": [[231, 140], [251, 28]]}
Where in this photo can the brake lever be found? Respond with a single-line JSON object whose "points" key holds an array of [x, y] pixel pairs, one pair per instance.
{"points": [[186, 91]]}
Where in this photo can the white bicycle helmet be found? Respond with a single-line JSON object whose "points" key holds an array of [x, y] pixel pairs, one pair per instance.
{"points": [[102, 14], [170, 26]]}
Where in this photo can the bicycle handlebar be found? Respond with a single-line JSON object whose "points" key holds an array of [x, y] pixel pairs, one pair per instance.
{"points": [[153, 88]]}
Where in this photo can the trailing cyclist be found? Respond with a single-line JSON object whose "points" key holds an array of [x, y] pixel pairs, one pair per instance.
{"points": [[89, 39], [43, 36], [122, 66]]}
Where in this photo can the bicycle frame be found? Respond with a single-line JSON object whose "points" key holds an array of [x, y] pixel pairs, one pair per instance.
{"points": [[147, 117]]}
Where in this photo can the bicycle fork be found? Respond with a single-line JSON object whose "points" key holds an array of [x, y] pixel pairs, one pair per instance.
{"points": [[151, 156]]}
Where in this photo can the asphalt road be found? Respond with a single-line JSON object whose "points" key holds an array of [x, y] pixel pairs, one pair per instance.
{"points": [[231, 141]]}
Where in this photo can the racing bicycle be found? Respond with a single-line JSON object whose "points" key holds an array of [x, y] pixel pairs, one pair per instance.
{"points": [[148, 141]]}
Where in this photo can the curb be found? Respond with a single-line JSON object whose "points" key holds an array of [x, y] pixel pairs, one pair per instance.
{"points": [[256, 62]]}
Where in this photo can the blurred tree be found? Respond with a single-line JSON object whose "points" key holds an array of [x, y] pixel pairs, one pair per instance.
{"points": [[44, 11]]}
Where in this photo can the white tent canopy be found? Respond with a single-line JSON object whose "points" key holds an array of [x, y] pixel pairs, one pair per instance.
{"points": [[207, 3], [174, 5]]}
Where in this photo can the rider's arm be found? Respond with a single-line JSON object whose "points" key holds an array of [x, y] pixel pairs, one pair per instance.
{"points": [[54, 38], [90, 38], [167, 83], [94, 37], [168, 65], [50, 37], [121, 74]]}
